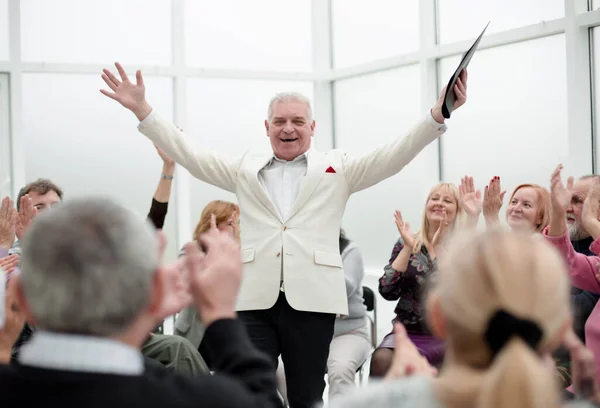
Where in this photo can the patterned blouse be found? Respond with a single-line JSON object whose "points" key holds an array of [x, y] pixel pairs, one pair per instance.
{"points": [[409, 288]]}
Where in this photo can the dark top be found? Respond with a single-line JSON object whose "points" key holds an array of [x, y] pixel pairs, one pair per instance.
{"points": [[409, 288], [158, 213], [246, 378]]}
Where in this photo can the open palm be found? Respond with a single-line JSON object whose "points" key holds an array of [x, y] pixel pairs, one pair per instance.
{"points": [[130, 95], [404, 229], [561, 195], [470, 198]]}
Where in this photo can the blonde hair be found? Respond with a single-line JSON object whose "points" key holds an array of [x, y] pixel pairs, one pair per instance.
{"points": [[223, 210], [499, 270], [421, 236], [544, 204]]}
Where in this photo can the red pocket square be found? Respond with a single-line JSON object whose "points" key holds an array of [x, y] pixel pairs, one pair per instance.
{"points": [[330, 170]]}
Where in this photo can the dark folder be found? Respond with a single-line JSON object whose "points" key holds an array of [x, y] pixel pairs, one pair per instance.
{"points": [[450, 96]]}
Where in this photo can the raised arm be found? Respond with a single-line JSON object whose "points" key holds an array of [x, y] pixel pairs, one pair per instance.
{"points": [[493, 199], [470, 201], [204, 164], [160, 200], [582, 268], [366, 170]]}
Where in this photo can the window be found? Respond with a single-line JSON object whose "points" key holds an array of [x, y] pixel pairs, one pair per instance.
{"points": [[364, 31], [514, 124], [133, 32], [4, 53], [371, 110], [464, 19], [89, 144], [270, 35]]}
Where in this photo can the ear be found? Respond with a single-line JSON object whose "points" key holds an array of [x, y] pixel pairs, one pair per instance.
{"points": [[267, 127], [435, 318], [17, 285], [156, 291], [312, 128]]}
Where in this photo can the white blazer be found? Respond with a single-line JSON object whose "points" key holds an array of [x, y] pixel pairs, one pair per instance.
{"points": [[305, 244]]}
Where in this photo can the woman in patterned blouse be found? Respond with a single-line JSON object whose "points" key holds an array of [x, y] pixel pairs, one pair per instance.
{"points": [[411, 265]]}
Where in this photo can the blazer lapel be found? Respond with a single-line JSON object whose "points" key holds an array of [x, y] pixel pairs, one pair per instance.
{"points": [[259, 189], [314, 172]]}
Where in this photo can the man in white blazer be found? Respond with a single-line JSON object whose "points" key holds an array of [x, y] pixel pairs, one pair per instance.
{"points": [[291, 201]]}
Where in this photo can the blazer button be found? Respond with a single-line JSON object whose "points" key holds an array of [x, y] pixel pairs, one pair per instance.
{"points": [[283, 228], [278, 254]]}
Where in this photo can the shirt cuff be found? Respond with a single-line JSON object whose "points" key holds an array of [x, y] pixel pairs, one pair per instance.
{"points": [[438, 126], [148, 120]]}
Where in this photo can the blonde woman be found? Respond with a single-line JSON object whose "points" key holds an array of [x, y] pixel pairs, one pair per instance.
{"points": [[491, 305], [413, 261]]}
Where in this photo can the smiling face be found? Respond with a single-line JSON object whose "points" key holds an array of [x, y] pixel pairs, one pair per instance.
{"points": [[289, 128], [441, 199], [523, 210]]}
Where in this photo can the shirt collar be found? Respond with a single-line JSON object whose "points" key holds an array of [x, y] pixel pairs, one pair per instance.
{"points": [[302, 157], [90, 354]]}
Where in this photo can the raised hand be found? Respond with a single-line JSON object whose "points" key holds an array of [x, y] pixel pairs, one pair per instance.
{"points": [[561, 195], [27, 213], [215, 277], [8, 220], [13, 322], [591, 205], [441, 231], [130, 95], [165, 157], [407, 360], [470, 199], [460, 90], [493, 198], [404, 229]]}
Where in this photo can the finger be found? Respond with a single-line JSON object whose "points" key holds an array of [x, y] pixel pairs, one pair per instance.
{"points": [[556, 172], [571, 342], [478, 194], [139, 79], [110, 83], [570, 182], [162, 244], [109, 94], [112, 78], [460, 96], [471, 184], [502, 195], [121, 72]]}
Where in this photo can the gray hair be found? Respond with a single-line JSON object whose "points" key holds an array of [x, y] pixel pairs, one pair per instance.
{"points": [[88, 267], [596, 177], [290, 97]]}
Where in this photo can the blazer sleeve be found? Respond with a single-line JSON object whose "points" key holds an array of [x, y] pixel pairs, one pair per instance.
{"points": [[582, 268], [368, 169], [212, 168]]}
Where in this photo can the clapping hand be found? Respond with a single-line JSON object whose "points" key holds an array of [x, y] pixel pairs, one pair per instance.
{"points": [[470, 199], [27, 213], [407, 360], [8, 220], [561, 195], [404, 229], [493, 198], [591, 205], [441, 231], [130, 95], [176, 289]]}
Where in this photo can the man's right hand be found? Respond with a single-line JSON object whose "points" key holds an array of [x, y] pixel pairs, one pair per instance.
{"points": [[130, 95], [215, 277]]}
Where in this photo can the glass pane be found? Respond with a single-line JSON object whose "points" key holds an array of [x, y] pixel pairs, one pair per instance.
{"points": [[89, 144], [520, 138], [596, 90], [389, 105], [273, 35], [4, 30], [5, 142], [366, 31], [228, 116], [75, 31], [455, 24]]}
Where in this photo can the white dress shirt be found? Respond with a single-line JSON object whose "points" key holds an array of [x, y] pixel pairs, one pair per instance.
{"points": [[69, 352]]}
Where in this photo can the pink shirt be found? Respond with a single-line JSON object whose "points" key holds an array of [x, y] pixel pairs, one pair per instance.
{"points": [[582, 271]]}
